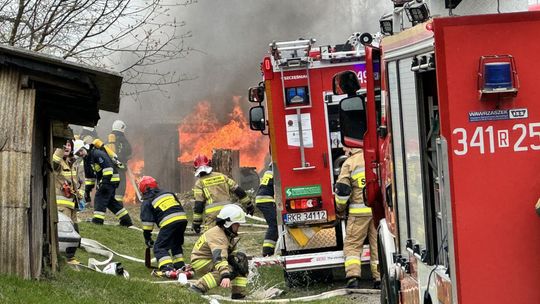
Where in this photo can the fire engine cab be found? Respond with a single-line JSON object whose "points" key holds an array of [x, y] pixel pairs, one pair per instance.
{"points": [[451, 139], [300, 114]]}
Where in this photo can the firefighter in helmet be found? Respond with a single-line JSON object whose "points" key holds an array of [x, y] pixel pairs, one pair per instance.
{"points": [[264, 200], [163, 208], [98, 168], [213, 257], [88, 134], [118, 143], [68, 188], [212, 192], [349, 200]]}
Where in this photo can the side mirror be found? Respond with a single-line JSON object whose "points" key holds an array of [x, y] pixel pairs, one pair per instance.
{"points": [[256, 94], [352, 118], [257, 120], [345, 82]]}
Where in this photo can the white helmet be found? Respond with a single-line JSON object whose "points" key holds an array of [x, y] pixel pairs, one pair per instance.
{"points": [[78, 144], [119, 125], [232, 214]]}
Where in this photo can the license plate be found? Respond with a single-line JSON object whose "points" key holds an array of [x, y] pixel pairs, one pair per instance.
{"points": [[305, 217]]}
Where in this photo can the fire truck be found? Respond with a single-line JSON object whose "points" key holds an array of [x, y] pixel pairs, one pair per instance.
{"points": [[300, 114], [450, 127]]}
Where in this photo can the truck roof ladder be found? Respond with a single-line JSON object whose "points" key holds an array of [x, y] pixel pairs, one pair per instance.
{"points": [[289, 55]]}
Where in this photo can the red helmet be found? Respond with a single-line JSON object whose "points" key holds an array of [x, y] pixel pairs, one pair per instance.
{"points": [[201, 160], [146, 183]]}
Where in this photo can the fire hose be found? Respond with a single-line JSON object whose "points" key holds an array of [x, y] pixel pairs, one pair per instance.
{"points": [[264, 295]]}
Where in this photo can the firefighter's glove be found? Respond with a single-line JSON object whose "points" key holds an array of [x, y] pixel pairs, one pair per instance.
{"points": [[250, 208], [87, 197], [149, 243], [196, 227], [239, 264]]}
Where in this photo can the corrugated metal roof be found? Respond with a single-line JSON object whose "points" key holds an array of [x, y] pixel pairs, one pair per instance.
{"points": [[108, 83]]}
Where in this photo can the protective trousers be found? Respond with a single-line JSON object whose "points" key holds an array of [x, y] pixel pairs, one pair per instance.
{"points": [[269, 212], [104, 200], [121, 190], [358, 228], [210, 277], [170, 238], [72, 214]]}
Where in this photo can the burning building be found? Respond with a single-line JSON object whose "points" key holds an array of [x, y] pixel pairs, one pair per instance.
{"points": [[169, 148]]}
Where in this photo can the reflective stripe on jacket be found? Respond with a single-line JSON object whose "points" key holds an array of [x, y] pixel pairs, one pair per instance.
{"points": [[353, 175], [162, 208]]}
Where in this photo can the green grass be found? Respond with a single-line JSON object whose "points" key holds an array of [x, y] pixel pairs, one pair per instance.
{"points": [[86, 286]]}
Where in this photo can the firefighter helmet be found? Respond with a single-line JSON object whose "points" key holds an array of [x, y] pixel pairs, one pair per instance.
{"points": [[119, 125], [231, 214], [202, 164], [147, 183], [78, 145]]}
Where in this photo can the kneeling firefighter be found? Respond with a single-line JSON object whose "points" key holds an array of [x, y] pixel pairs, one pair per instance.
{"points": [[162, 208], [213, 257], [349, 195], [99, 168]]}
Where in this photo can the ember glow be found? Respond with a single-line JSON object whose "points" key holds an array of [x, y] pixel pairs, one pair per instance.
{"points": [[200, 133]]}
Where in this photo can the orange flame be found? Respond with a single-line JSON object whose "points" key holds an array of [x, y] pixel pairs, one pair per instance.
{"points": [[136, 166], [200, 133]]}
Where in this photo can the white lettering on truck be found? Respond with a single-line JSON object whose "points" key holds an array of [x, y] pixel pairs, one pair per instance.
{"points": [[483, 139]]}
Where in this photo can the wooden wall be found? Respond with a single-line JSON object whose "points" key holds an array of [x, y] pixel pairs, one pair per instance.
{"points": [[20, 231]]}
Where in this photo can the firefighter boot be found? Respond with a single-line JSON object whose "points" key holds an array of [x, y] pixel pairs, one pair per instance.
{"points": [[193, 288], [237, 296], [353, 283], [126, 221]]}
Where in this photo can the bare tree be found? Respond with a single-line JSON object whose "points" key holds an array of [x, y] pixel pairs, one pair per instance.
{"points": [[134, 37]]}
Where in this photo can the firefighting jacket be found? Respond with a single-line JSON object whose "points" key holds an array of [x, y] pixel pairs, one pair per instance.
{"points": [[119, 144], [162, 208], [265, 193], [212, 192], [214, 246], [349, 186], [99, 168], [67, 183]]}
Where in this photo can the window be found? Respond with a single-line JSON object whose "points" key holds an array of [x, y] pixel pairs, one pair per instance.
{"points": [[397, 145], [411, 142]]}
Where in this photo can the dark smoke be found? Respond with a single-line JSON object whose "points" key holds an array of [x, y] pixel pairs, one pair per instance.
{"points": [[232, 36]]}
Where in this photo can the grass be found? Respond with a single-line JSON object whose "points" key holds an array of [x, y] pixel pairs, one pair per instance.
{"points": [[86, 286]]}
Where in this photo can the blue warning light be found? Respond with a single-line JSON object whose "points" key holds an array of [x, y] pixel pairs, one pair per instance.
{"points": [[498, 76]]}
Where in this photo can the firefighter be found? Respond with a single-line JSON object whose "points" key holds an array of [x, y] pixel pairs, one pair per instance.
{"points": [[88, 134], [349, 199], [68, 189], [213, 257], [99, 169], [119, 144], [267, 205], [162, 208], [212, 191]]}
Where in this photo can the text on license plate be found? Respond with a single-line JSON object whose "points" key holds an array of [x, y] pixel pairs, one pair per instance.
{"points": [[305, 216]]}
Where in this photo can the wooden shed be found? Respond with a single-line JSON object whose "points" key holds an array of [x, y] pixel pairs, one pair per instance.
{"points": [[39, 96]]}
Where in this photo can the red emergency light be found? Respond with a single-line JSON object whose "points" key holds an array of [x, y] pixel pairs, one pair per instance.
{"points": [[497, 77], [301, 204]]}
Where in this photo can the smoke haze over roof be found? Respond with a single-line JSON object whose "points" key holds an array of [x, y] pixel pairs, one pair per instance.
{"points": [[230, 38]]}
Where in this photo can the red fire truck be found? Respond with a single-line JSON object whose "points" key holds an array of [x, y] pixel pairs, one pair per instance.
{"points": [[452, 149], [301, 117]]}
